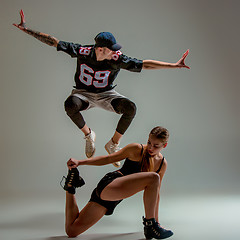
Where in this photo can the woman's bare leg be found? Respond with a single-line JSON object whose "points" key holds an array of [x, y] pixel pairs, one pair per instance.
{"points": [[157, 205], [127, 186], [71, 210], [78, 222]]}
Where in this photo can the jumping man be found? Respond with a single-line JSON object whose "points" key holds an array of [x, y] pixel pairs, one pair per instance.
{"points": [[97, 67]]}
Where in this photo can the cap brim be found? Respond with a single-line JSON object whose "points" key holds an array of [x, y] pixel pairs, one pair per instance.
{"points": [[116, 47]]}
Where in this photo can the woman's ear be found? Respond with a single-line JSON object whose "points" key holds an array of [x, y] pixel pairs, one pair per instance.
{"points": [[165, 145]]}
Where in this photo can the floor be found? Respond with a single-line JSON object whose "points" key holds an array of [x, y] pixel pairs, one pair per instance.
{"points": [[189, 217]]}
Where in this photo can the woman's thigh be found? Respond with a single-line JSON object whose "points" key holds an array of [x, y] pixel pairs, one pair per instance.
{"points": [[126, 186]]}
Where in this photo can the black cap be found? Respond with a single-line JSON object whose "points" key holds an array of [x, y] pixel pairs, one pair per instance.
{"points": [[106, 39]]}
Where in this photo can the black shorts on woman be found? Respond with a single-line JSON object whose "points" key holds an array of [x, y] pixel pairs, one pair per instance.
{"points": [[129, 167]]}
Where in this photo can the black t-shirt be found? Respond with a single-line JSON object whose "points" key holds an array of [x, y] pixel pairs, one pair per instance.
{"points": [[93, 75]]}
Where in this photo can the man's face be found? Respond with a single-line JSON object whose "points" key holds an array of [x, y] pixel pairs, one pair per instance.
{"points": [[104, 53], [107, 53]]}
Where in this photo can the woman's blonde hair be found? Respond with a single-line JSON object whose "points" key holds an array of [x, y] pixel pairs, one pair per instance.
{"points": [[160, 133]]}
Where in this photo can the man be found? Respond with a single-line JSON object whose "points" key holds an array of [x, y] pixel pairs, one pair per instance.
{"points": [[97, 67]]}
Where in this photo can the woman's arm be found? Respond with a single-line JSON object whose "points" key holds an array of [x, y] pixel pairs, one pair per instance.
{"points": [[153, 64], [43, 37], [127, 152]]}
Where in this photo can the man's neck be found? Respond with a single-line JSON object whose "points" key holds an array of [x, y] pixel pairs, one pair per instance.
{"points": [[98, 56]]}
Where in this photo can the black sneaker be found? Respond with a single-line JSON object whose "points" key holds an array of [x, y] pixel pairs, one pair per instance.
{"points": [[152, 229], [73, 181]]}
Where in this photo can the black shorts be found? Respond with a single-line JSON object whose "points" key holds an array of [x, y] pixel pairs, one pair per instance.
{"points": [[95, 197]]}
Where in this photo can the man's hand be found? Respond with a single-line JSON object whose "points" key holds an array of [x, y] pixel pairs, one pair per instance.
{"points": [[72, 163], [22, 24], [153, 64], [43, 37], [181, 62]]}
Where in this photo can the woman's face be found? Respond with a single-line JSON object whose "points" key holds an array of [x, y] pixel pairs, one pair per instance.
{"points": [[154, 145]]}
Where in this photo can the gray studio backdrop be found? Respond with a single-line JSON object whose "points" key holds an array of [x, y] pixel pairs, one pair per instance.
{"points": [[200, 107]]}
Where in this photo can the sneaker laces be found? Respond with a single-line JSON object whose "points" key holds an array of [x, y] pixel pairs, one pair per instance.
{"points": [[114, 146], [89, 137]]}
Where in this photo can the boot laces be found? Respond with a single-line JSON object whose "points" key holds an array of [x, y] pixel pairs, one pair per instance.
{"points": [[62, 181]]}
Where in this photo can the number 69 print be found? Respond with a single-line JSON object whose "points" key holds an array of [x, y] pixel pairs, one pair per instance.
{"points": [[100, 79]]}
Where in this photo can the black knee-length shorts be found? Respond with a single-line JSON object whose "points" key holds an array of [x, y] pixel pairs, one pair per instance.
{"points": [[95, 197]]}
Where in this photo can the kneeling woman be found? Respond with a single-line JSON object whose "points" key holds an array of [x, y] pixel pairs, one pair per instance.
{"points": [[143, 169]]}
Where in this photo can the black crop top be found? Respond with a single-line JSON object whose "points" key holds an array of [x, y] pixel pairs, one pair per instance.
{"points": [[130, 167]]}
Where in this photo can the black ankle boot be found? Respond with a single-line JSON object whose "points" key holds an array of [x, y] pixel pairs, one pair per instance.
{"points": [[73, 181], [152, 229]]}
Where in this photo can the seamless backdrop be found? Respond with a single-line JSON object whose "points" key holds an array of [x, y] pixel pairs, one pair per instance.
{"points": [[200, 106]]}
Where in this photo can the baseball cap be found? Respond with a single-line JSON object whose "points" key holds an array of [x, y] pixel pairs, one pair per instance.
{"points": [[106, 39]]}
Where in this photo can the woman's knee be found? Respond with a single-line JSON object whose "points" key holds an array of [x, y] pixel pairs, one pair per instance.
{"points": [[71, 233], [74, 231], [154, 178]]}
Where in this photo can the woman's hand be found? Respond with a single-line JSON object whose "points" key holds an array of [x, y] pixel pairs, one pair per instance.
{"points": [[72, 163]]}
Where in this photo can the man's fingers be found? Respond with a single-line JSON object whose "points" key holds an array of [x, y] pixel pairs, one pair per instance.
{"points": [[22, 24], [22, 16], [185, 54], [182, 61]]}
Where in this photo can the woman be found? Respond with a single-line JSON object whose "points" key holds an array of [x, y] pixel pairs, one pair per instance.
{"points": [[143, 169]]}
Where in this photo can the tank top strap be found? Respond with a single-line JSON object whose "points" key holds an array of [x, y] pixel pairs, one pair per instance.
{"points": [[142, 149], [160, 166]]}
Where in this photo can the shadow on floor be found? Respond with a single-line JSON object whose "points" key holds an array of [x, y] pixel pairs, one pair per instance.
{"points": [[102, 236]]}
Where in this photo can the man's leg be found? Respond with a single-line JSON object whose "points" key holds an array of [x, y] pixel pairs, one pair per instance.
{"points": [[73, 106], [128, 110]]}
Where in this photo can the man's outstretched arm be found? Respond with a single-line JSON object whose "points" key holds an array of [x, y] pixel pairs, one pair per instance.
{"points": [[153, 64], [43, 37]]}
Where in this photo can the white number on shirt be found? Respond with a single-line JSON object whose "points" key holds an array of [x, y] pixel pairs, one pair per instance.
{"points": [[116, 55], [84, 77], [100, 79], [85, 50]]}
